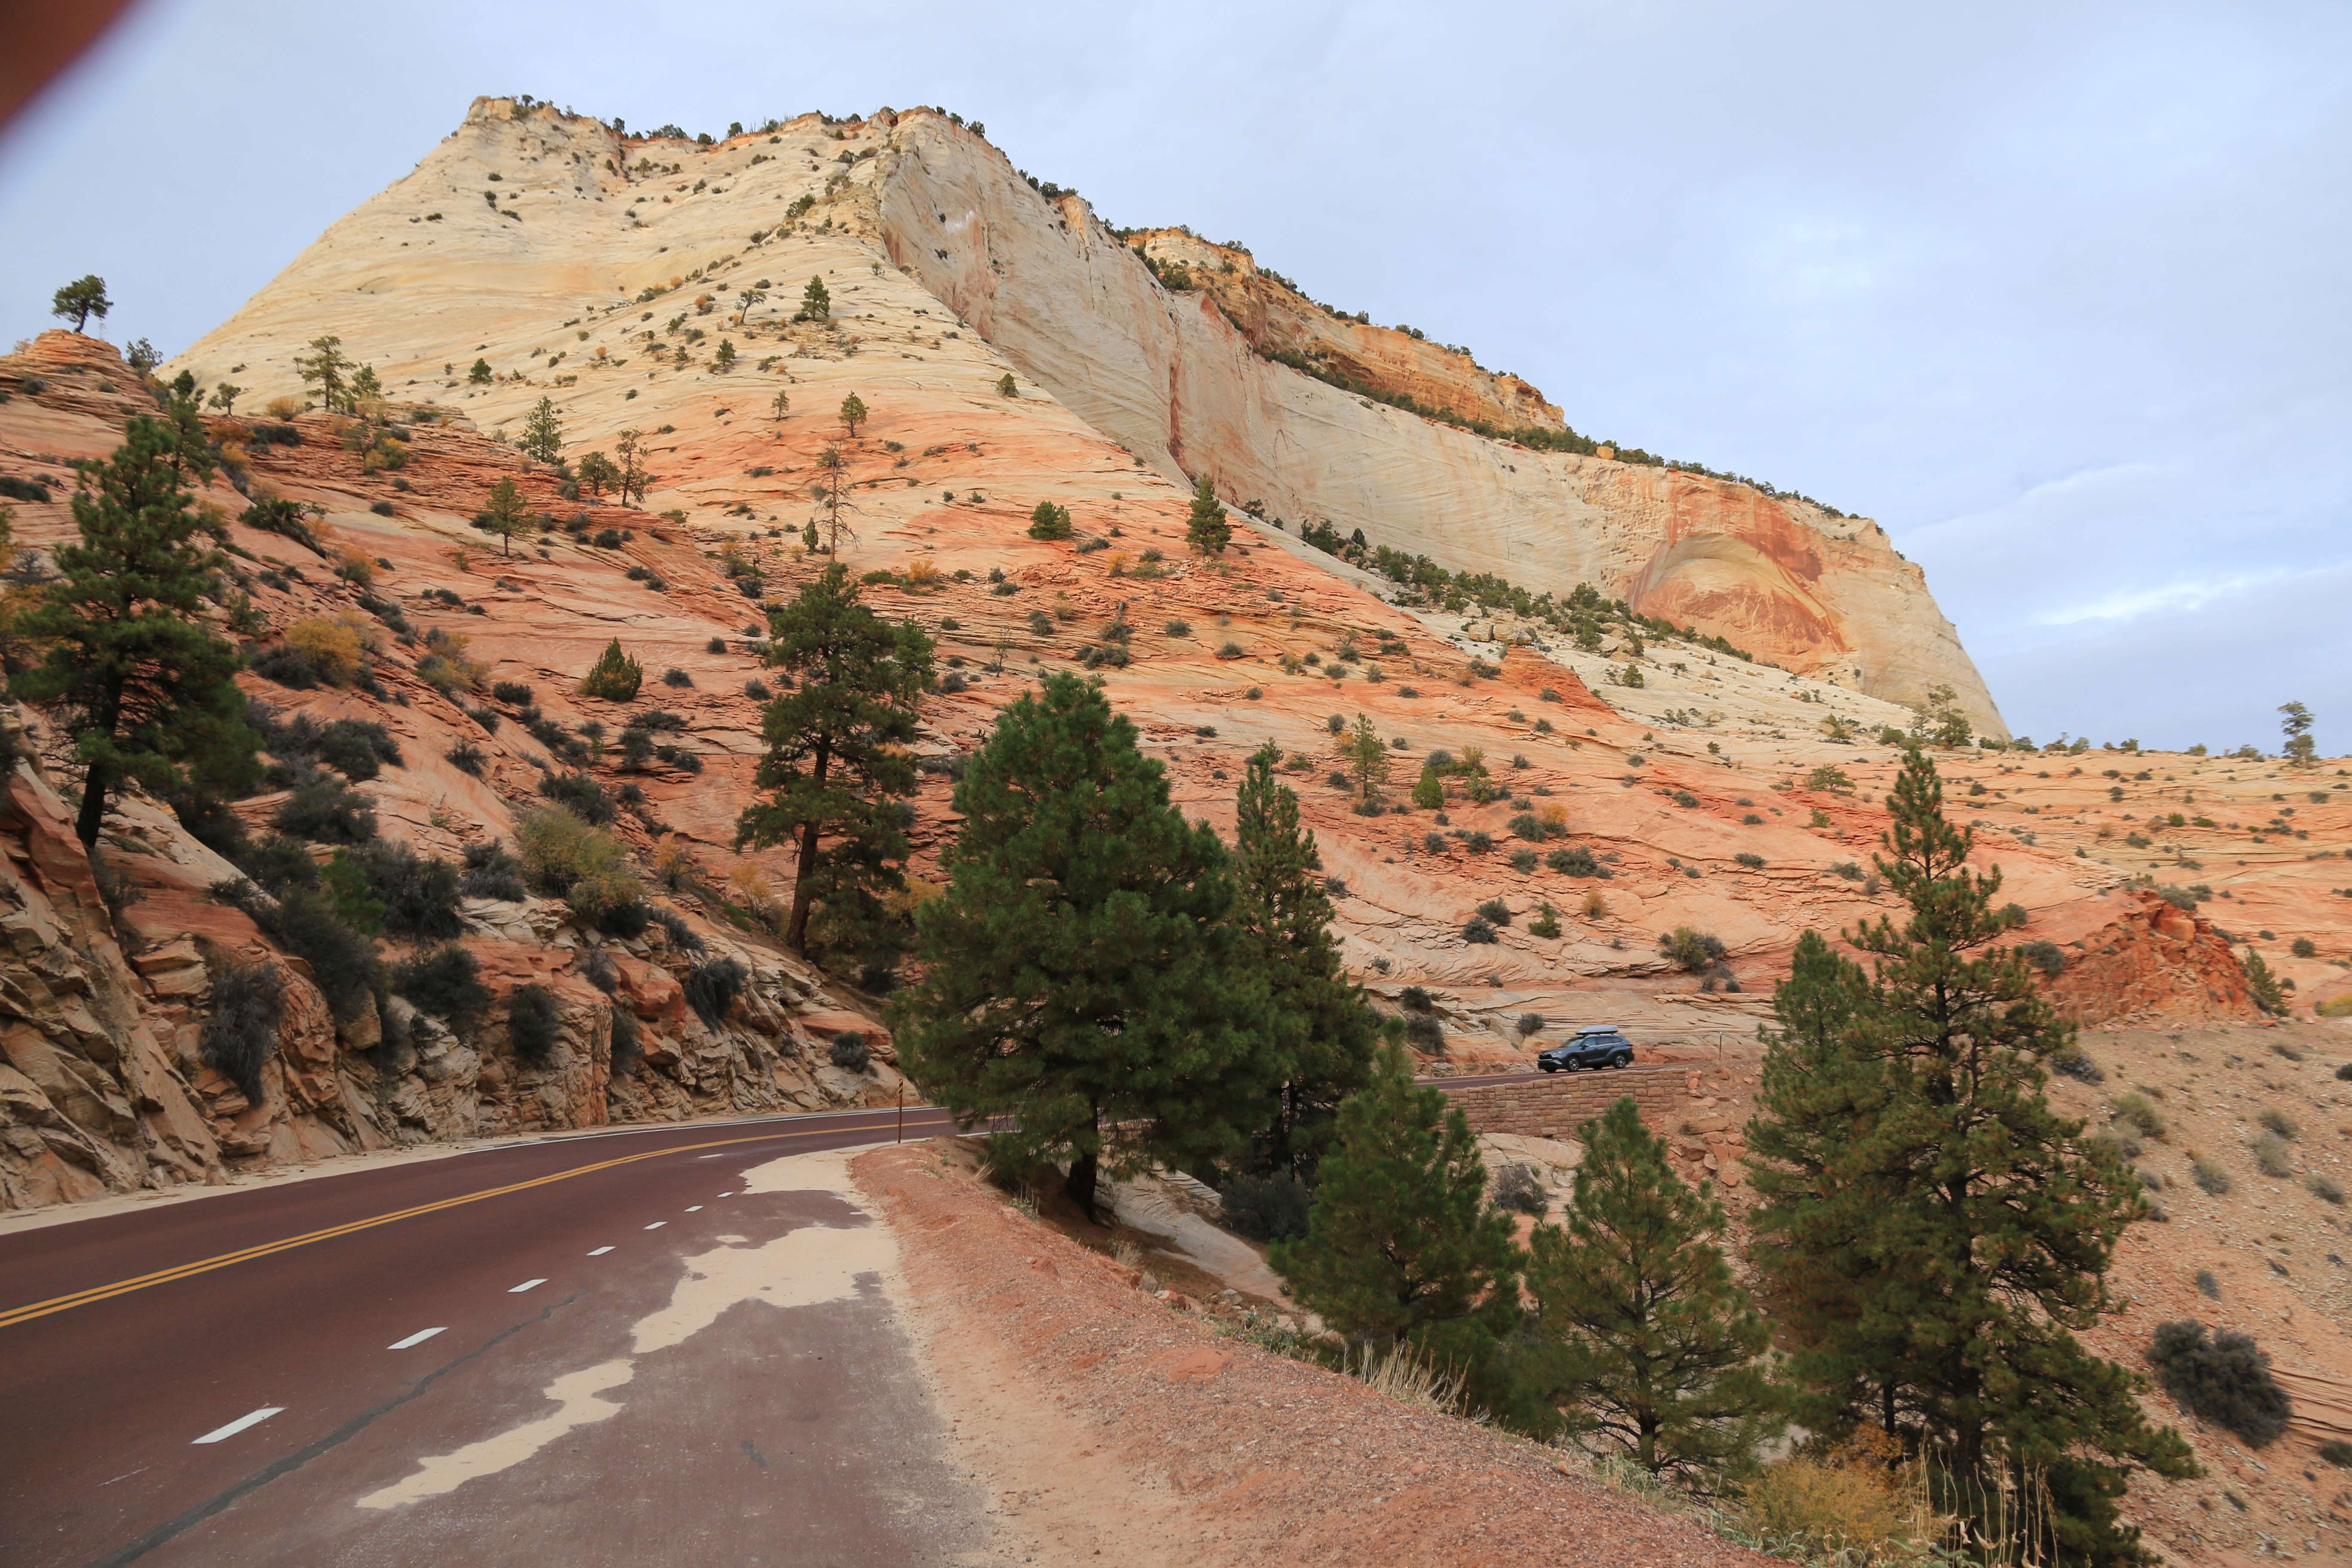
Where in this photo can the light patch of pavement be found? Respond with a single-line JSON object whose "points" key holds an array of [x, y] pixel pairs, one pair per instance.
{"points": [[803, 1267]]}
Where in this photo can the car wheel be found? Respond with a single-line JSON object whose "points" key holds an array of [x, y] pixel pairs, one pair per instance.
{"points": [[1622, 1059]]}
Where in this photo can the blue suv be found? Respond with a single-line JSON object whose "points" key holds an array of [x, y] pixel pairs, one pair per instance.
{"points": [[1593, 1046]]}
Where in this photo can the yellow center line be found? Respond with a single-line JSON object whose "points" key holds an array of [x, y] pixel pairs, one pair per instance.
{"points": [[204, 1266]]}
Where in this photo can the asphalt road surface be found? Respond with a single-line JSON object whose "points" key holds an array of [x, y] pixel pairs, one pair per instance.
{"points": [[648, 1346]]}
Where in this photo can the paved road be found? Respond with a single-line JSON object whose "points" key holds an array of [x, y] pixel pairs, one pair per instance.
{"points": [[641, 1347]]}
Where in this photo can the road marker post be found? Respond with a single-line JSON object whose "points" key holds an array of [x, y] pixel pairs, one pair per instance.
{"points": [[902, 1112]]}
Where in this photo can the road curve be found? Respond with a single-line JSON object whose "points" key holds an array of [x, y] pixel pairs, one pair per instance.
{"points": [[602, 1349]]}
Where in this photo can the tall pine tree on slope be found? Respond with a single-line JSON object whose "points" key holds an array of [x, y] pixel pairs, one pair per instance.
{"points": [[150, 692], [1082, 972], [1285, 914], [1970, 1226], [1659, 1344]]}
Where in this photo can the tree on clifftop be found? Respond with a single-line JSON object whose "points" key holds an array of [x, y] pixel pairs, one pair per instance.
{"points": [[81, 299], [2301, 751], [837, 769], [1205, 528], [1081, 974], [1957, 1234], [149, 692]]}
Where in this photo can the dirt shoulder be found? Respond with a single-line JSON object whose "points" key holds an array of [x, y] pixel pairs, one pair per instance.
{"points": [[1112, 1426]]}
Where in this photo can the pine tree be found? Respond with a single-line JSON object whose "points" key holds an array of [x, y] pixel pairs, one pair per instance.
{"points": [[1205, 528], [150, 693], [629, 446], [480, 374], [1991, 1220], [2301, 751], [542, 432], [781, 405], [614, 676], [1082, 973], [1285, 920], [1401, 1244], [83, 298], [1007, 386], [365, 387], [723, 359], [224, 397], [853, 414], [323, 368], [596, 471], [1429, 790], [816, 305], [504, 514], [1368, 762], [745, 300], [837, 768], [1659, 1343]]}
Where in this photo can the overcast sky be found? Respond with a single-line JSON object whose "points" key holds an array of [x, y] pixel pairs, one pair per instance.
{"points": [[2056, 292]]}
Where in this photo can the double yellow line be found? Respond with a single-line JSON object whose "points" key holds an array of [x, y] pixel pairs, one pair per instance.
{"points": [[26, 1313]]}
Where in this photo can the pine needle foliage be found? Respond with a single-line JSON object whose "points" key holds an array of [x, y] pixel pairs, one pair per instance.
{"points": [[614, 675], [1285, 913], [1659, 1346], [1083, 970], [1205, 528], [146, 689], [1951, 1233], [838, 769]]}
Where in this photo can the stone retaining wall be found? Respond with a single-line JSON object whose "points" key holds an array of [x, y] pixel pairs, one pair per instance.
{"points": [[1675, 1104]]}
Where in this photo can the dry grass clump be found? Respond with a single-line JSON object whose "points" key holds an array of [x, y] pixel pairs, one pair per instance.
{"points": [[1859, 1504]]}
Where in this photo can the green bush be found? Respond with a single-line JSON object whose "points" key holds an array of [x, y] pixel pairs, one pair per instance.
{"points": [[614, 676], [1690, 949], [1753, 862], [2046, 956], [1049, 521], [1272, 1207], [445, 982], [1496, 911], [579, 794], [240, 1033], [713, 987], [1518, 1190], [325, 810], [2210, 1176], [1478, 931], [308, 924], [2140, 1112], [493, 873], [532, 1024], [850, 1052], [1576, 860], [1523, 860], [419, 894], [2225, 1380], [567, 857]]}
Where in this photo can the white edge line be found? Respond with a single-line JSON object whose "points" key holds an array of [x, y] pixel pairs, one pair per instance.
{"points": [[418, 1337], [599, 1252], [526, 1285], [240, 1424]]}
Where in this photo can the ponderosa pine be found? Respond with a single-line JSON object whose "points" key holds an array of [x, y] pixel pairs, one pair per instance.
{"points": [[838, 768], [1968, 1227], [1083, 972], [1285, 913]]}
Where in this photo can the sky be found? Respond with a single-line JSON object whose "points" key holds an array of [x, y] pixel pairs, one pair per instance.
{"points": [[2057, 293]]}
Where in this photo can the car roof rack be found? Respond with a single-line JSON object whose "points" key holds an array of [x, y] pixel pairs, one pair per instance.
{"points": [[1601, 1029]]}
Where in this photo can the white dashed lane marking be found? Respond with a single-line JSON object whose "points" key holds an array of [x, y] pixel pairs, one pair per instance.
{"points": [[240, 1424], [599, 1252], [418, 1337], [526, 1285], [658, 1224], [696, 1208]]}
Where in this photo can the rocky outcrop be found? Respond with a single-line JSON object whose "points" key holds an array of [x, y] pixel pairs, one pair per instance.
{"points": [[2154, 963]]}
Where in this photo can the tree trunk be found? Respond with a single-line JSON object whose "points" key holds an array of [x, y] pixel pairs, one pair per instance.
{"points": [[796, 933], [1081, 1181], [94, 787]]}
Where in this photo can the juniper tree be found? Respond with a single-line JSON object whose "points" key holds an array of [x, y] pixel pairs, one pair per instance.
{"points": [[853, 414], [542, 432], [1205, 528], [614, 675], [1969, 1226], [1658, 1345], [148, 692], [837, 769], [630, 448], [324, 368], [596, 471], [744, 301], [224, 397], [1284, 915], [1082, 972], [83, 298], [1402, 1246], [2301, 751], [480, 373]]}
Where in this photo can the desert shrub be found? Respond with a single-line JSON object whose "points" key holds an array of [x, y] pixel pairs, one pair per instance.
{"points": [[683, 938], [2274, 1120], [1425, 1033], [355, 748], [677, 677], [2273, 1156], [2338, 1452], [627, 1050], [1415, 999], [2344, 1073], [1753, 862], [1530, 1024], [1496, 911], [2323, 1187], [756, 690], [1690, 949], [493, 873], [1857, 1506], [287, 666], [1576, 860], [2075, 1062], [445, 982], [513, 691], [2046, 956], [568, 857], [466, 757], [614, 675], [1478, 841], [1684, 799], [332, 647], [2210, 1176], [1049, 521], [578, 793], [2138, 1112], [240, 1034], [953, 682], [713, 987], [2208, 1286], [1523, 860], [308, 923], [849, 1051], [716, 645], [419, 894], [532, 1024], [1517, 1189], [1478, 931], [1271, 1208], [325, 810], [2225, 1379]]}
